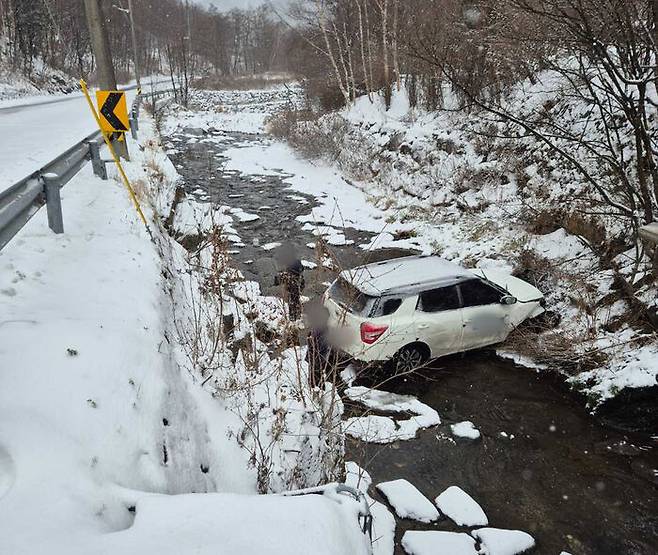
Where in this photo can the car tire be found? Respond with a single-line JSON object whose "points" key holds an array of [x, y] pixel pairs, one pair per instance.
{"points": [[409, 358]]}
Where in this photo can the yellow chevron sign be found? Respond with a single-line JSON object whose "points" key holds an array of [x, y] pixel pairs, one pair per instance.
{"points": [[113, 111]]}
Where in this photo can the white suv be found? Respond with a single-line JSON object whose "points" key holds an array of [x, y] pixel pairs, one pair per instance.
{"points": [[416, 308]]}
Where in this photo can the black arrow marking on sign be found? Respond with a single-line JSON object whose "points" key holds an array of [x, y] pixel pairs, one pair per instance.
{"points": [[108, 111]]}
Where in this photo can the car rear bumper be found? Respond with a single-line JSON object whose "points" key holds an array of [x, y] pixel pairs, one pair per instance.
{"points": [[368, 354]]}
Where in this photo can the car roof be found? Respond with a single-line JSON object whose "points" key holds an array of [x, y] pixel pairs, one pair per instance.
{"points": [[406, 276]]}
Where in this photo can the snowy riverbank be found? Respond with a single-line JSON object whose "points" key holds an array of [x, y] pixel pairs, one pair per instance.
{"points": [[445, 184], [102, 417]]}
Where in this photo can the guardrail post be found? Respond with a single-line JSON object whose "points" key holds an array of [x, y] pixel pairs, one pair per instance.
{"points": [[133, 128], [121, 146], [96, 162], [134, 116], [53, 202]]}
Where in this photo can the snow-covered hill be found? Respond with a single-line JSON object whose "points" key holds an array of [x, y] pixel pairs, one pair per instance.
{"points": [[43, 81]]}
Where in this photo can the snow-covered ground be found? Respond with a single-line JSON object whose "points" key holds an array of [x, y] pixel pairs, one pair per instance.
{"points": [[415, 202], [44, 81], [199, 403], [106, 427]]}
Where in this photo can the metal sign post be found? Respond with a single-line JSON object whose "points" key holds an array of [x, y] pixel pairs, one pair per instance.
{"points": [[99, 120]]}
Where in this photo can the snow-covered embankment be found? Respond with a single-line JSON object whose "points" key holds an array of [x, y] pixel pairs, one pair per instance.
{"points": [[100, 411]]}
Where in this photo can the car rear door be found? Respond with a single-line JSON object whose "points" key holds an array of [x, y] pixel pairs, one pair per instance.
{"points": [[438, 320], [485, 320]]}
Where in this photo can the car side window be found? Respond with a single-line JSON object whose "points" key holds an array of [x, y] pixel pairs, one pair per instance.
{"points": [[437, 300], [390, 306], [476, 292]]}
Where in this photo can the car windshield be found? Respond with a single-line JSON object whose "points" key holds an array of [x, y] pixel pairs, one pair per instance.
{"points": [[350, 298]]}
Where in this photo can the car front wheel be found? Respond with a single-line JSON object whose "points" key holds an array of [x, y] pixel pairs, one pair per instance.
{"points": [[410, 358]]}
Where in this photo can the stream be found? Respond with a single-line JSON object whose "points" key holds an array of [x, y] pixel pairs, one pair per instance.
{"points": [[543, 464]]}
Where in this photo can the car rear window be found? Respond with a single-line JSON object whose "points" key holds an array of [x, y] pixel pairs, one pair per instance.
{"points": [[436, 300], [350, 298]]}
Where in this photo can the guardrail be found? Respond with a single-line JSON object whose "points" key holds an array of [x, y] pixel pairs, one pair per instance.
{"points": [[23, 200]]}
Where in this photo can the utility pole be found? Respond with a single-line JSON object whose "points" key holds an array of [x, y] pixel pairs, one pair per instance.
{"points": [[135, 52], [100, 45], [189, 27]]}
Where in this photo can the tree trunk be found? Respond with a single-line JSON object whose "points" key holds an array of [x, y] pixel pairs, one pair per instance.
{"points": [[100, 45]]}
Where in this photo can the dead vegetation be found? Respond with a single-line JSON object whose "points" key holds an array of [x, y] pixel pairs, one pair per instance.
{"points": [[312, 136]]}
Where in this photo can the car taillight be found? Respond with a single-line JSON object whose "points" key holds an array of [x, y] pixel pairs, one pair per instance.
{"points": [[371, 332]]}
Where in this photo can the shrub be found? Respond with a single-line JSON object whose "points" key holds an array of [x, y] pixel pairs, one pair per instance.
{"points": [[312, 136]]}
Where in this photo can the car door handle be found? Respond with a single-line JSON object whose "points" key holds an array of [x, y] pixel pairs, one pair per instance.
{"points": [[423, 326]]}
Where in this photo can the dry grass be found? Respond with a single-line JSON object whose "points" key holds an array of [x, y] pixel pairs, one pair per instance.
{"points": [[311, 136], [556, 349]]}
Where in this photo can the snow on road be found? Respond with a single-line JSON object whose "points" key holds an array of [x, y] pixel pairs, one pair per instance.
{"points": [[34, 131]]}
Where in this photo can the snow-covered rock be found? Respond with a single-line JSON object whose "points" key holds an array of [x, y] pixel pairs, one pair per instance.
{"points": [[194, 218], [375, 429], [459, 506], [407, 501], [497, 541], [394, 402], [465, 429], [435, 542], [243, 216], [384, 429]]}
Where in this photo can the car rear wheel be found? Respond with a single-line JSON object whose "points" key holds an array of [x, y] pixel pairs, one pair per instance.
{"points": [[409, 358]]}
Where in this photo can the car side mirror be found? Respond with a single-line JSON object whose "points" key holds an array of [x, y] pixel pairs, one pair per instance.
{"points": [[508, 299]]}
